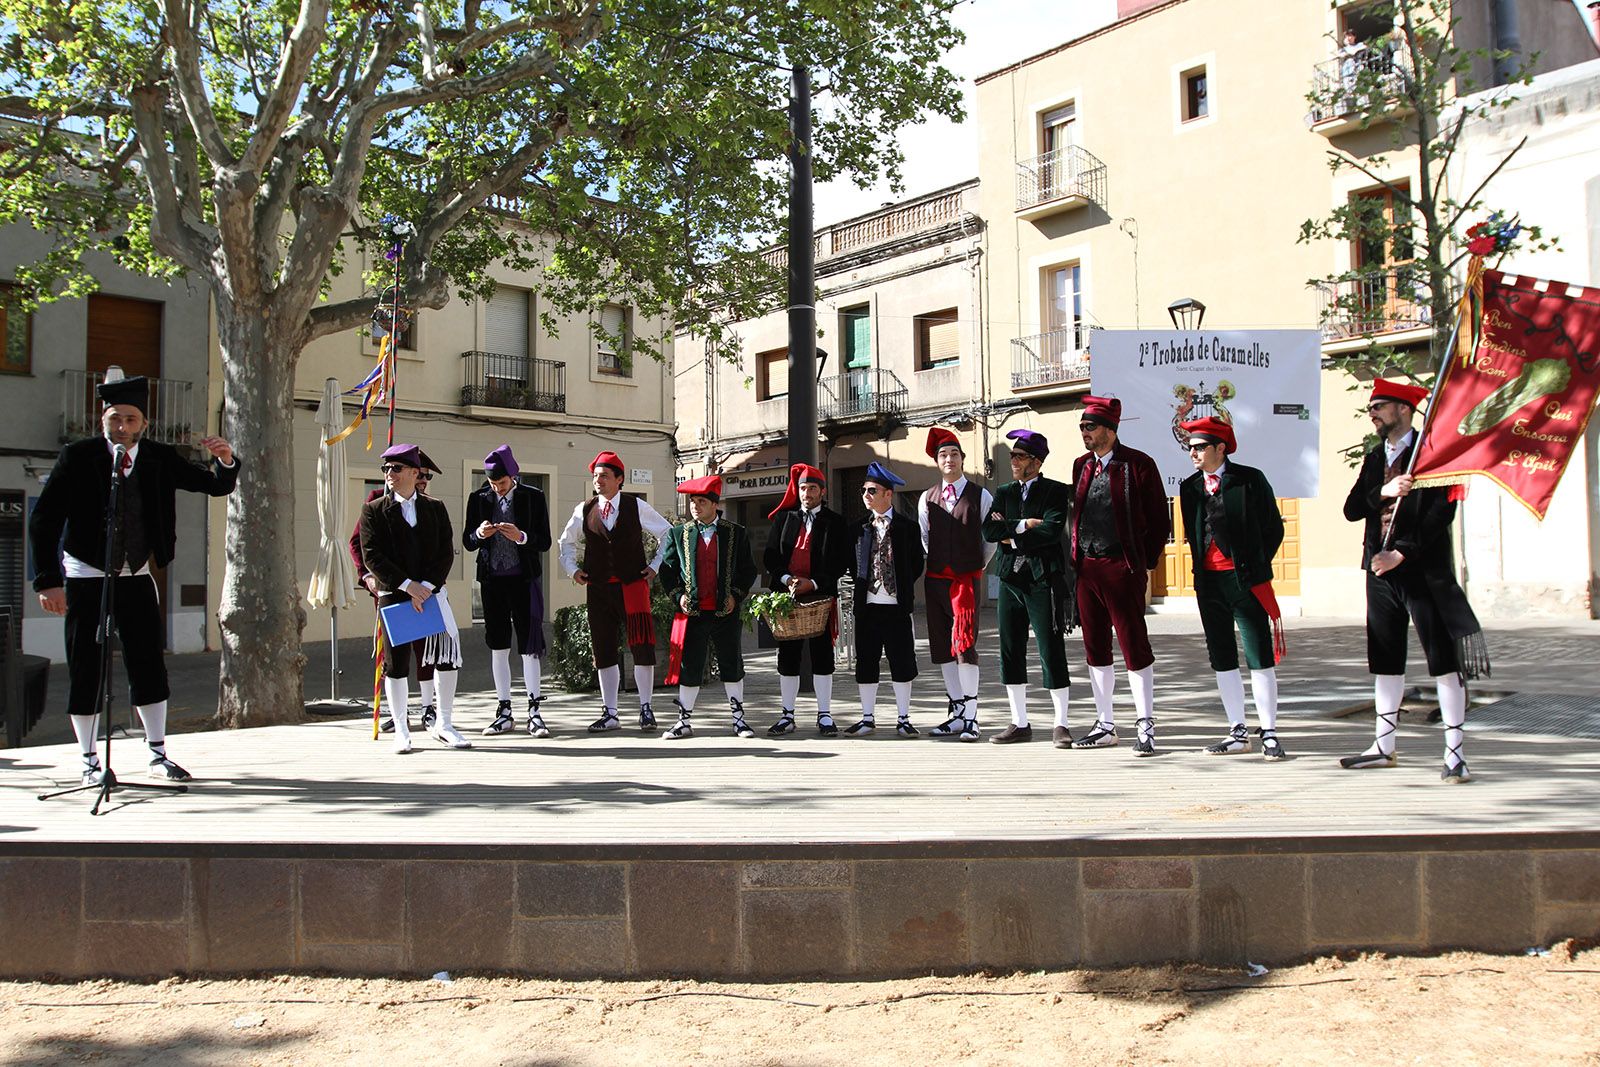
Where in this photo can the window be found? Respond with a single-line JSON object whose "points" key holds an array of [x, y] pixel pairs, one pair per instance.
{"points": [[16, 327], [1058, 128], [1064, 293], [855, 332], [772, 374], [1391, 290], [1194, 93], [614, 341], [1058, 133], [938, 339]]}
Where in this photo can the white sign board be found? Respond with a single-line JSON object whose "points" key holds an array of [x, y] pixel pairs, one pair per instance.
{"points": [[1267, 383], [642, 476]]}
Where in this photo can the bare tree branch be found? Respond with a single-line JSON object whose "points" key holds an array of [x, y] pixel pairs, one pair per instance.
{"points": [[172, 234], [191, 84], [309, 31], [1466, 205]]}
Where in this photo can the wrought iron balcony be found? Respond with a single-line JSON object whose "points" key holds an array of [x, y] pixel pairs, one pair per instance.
{"points": [[171, 416], [1375, 304], [1058, 357], [497, 380], [1365, 85], [862, 393], [1062, 180]]}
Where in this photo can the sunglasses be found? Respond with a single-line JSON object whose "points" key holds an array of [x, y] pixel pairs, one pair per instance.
{"points": [[394, 468], [1199, 446], [873, 490], [1378, 405]]}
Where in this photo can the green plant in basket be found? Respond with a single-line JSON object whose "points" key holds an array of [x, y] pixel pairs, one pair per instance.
{"points": [[768, 606]]}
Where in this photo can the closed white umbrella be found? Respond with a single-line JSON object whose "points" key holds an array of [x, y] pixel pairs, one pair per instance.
{"points": [[334, 578]]}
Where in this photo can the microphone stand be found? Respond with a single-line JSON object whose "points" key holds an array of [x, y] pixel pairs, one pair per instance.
{"points": [[109, 782]]}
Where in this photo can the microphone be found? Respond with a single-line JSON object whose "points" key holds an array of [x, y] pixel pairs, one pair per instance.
{"points": [[119, 456]]}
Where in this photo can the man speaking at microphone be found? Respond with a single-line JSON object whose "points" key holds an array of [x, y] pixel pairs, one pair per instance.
{"points": [[74, 501]]}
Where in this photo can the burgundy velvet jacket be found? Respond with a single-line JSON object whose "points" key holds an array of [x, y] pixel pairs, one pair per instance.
{"points": [[1138, 500]]}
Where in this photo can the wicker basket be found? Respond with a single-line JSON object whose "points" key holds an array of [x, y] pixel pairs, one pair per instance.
{"points": [[808, 619]]}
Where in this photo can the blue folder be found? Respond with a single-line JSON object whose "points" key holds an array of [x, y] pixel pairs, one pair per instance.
{"points": [[404, 623]]}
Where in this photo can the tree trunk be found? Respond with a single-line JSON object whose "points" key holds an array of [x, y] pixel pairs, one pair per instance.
{"points": [[262, 681]]}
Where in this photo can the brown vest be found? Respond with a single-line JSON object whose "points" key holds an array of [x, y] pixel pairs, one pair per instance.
{"points": [[618, 553], [1390, 473], [955, 539]]}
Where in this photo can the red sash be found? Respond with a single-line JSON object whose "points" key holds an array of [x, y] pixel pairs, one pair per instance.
{"points": [[963, 608]]}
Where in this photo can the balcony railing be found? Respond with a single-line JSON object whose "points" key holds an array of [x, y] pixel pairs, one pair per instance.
{"points": [[1374, 304], [882, 227], [1349, 86], [1067, 177], [1059, 357], [865, 392], [497, 380], [171, 416]]}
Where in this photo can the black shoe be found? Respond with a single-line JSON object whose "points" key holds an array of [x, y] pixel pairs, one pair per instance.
{"points": [[606, 722], [784, 725], [826, 726], [1061, 737], [536, 726], [647, 719], [1144, 738], [504, 722], [903, 728], [1369, 759], [861, 729], [1012, 735], [1237, 741], [1271, 747], [1144, 748], [164, 770], [1455, 774], [386, 724], [430, 715], [1102, 735]]}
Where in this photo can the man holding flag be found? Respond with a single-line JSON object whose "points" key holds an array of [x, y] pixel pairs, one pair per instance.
{"points": [[1406, 552]]}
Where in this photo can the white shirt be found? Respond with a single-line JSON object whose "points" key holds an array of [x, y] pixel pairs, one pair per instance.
{"points": [[1390, 451], [1205, 475], [880, 529], [935, 497], [649, 519], [408, 512], [1022, 524]]}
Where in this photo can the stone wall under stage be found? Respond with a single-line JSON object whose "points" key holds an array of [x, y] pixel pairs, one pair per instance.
{"points": [[778, 911]]}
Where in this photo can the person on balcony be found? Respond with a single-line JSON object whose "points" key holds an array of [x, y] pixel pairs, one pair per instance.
{"points": [[1120, 526], [887, 561], [1027, 522], [67, 536], [508, 525], [615, 532], [707, 571], [951, 516], [1233, 526], [408, 547], [1407, 553], [808, 551]]}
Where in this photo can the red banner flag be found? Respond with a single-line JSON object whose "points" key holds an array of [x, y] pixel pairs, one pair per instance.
{"points": [[1514, 407]]}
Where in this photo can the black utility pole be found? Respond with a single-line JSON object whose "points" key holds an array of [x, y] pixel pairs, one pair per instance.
{"points": [[802, 277]]}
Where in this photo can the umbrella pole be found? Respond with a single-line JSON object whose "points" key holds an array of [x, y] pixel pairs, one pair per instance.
{"points": [[333, 656]]}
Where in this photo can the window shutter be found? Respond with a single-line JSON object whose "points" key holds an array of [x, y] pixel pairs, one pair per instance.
{"points": [[506, 323], [944, 342]]}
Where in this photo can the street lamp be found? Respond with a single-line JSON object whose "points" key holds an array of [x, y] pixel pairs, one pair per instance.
{"points": [[1186, 313]]}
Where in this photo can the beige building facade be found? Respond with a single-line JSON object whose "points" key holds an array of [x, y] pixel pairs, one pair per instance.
{"points": [[471, 376], [900, 316], [1171, 155]]}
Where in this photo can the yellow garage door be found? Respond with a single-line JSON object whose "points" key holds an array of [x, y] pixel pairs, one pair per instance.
{"points": [[1174, 576]]}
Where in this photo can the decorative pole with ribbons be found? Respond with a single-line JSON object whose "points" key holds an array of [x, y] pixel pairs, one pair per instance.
{"points": [[391, 316]]}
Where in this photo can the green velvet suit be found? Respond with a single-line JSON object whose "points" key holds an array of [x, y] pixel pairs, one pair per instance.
{"points": [[718, 629], [1035, 580]]}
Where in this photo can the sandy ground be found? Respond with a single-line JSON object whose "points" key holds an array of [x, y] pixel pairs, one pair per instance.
{"points": [[1371, 1009]]}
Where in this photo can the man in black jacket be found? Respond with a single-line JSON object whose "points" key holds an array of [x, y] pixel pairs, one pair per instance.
{"points": [[407, 544], [74, 501], [508, 526], [807, 552], [1410, 567], [1030, 515], [887, 562], [1233, 526]]}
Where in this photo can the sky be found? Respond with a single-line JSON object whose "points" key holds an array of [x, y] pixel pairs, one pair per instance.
{"points": [[938, 152]]}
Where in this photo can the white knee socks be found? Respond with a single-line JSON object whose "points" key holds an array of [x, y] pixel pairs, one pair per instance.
{"points": [[869, 700], [824, 686], [1230, 686], [902, 699], [154, 717], [788, 690], [687, 695], [1058, 697], [1453, 710], [85, 728], [446, 681], [1143, 684], [531, 681], [1264, 691], [396, 692], [429, 689], [1387, 692], [1102, 682], [1017, 697], [952, 679], [735, 690], [969, 685], [500, 667], [610, 682], [644, 679]]}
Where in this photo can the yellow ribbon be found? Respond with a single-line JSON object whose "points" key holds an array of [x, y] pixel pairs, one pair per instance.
{"points": [[374, 391]]}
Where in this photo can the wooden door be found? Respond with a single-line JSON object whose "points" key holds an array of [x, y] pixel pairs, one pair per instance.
{"points": [[1175, 575], [124, 333]]}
